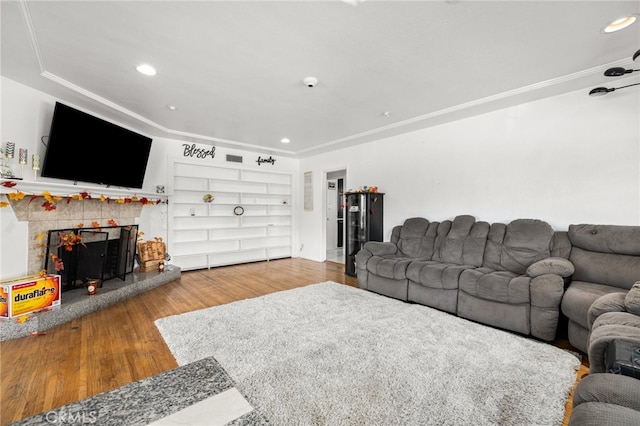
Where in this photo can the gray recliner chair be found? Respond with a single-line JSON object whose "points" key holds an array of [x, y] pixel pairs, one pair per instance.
{"points": [[603, 398], [606, 260]]}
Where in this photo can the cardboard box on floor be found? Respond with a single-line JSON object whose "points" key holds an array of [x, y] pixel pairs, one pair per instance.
{"points": [[29, 294]]}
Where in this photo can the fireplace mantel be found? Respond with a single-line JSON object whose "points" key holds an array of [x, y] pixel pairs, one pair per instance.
{"points": [[66, 190]]}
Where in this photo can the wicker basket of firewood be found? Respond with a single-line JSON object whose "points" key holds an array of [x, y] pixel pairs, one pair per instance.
{"points": [[151, 253]]}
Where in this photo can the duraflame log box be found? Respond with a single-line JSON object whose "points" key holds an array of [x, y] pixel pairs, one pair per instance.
{"points": [[29, 294], [151, 253]]}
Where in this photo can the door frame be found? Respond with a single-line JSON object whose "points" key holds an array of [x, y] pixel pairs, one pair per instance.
{"points": [[325, 180]]}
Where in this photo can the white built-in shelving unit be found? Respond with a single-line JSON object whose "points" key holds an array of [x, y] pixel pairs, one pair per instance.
{"points": [[205, 235]]}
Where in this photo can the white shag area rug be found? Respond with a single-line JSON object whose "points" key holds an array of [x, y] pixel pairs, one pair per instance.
{"points": [[330, 354]]}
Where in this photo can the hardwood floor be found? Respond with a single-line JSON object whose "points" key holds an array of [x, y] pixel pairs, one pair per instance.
{"points": [[120, 344]]}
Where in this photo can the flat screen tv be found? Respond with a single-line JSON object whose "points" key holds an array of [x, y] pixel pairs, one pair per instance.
{"points": [[85, 148]]}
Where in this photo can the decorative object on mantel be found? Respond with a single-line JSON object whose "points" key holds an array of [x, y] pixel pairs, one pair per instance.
{"points": [[6, 155], [616, 72], [51, 200], [22, 160], [10, 150], [207, 198], [269, 160], [35, 165]]}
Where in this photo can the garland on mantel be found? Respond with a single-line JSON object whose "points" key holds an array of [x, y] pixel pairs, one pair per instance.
{"points": [[51, 200]]}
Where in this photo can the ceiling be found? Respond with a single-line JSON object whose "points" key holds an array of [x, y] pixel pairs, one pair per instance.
{"points": [[234, 69]]}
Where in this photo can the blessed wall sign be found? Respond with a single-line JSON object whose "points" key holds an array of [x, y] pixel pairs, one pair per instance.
{"points": [[194, 151]]}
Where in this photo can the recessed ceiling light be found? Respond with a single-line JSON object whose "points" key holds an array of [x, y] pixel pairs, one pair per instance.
{"points": [[387, 113], [172, 107], [619, 24], [285, 140], [146, 69]]}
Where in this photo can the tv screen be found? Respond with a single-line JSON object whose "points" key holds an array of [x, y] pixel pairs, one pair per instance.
{"points": [[85, 148]]}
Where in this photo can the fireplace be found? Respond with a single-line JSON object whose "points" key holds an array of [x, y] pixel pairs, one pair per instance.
{"points": [[69, 214], [98, 253]]}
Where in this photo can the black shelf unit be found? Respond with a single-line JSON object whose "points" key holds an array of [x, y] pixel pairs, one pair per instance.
{"points": [[363, 212]]}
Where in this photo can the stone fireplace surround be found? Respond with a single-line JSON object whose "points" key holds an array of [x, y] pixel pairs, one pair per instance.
{"points": [[69, 213]]}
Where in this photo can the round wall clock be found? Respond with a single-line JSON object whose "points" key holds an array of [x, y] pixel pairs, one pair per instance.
{"points": [[238, 210]]}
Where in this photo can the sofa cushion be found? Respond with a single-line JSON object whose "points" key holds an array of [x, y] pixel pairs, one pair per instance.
{"points": [[464, 242], [515, 246], [632, 299], [526, 241], [498, 286], [606, 238], [417, 238], [436, 275], [618, 270], [392, 266], [606, 254], [578, 299], [609, 389]]}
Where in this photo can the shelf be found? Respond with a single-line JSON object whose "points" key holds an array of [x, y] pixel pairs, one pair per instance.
{"points": [[214, 236]]}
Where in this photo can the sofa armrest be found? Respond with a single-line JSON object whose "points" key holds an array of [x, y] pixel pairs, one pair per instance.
{"points": [[612, 302], [551, 265], [377, 248]]}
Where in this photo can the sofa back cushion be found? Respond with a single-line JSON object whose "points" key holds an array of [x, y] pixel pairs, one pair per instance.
{"points": [[463, 242], [606, 254], [515, 246], [416, 238]]}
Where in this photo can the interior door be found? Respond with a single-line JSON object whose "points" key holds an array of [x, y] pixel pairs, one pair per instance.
{"points": [[332, 214]]}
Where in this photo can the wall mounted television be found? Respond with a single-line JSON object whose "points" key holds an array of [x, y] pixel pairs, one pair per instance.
{"points": [[84, 148]]}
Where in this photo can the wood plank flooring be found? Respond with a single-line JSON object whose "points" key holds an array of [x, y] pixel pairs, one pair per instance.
{"points": [[120, 344]]}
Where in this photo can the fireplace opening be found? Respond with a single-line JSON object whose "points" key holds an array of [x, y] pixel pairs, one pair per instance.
{"points": [[83, 254]]}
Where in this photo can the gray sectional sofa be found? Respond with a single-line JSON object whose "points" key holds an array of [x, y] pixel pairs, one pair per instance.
{"points": [[519, 276], [510, 276]]}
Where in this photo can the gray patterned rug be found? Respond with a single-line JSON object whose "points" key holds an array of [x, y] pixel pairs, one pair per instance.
{"points": [[330, 354]]}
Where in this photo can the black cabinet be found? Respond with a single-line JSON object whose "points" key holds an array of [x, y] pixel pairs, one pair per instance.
{"points": [[363, 213]]}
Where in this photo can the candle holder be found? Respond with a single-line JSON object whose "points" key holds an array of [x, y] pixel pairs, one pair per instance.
{"points": [[35, 165], [6, 169], [22, 160], [10, 150]]}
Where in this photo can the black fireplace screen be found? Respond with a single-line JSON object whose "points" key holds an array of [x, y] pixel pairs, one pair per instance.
{"points": [[83, 254]]}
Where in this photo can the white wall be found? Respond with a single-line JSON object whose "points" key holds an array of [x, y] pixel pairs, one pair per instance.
{"points": [[565, 159]]}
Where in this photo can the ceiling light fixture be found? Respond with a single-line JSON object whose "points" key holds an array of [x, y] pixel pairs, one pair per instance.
{"points": [[146, 69], [172, 107], [601, 91], [285, 140], [616, 72], [620, 24]]}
